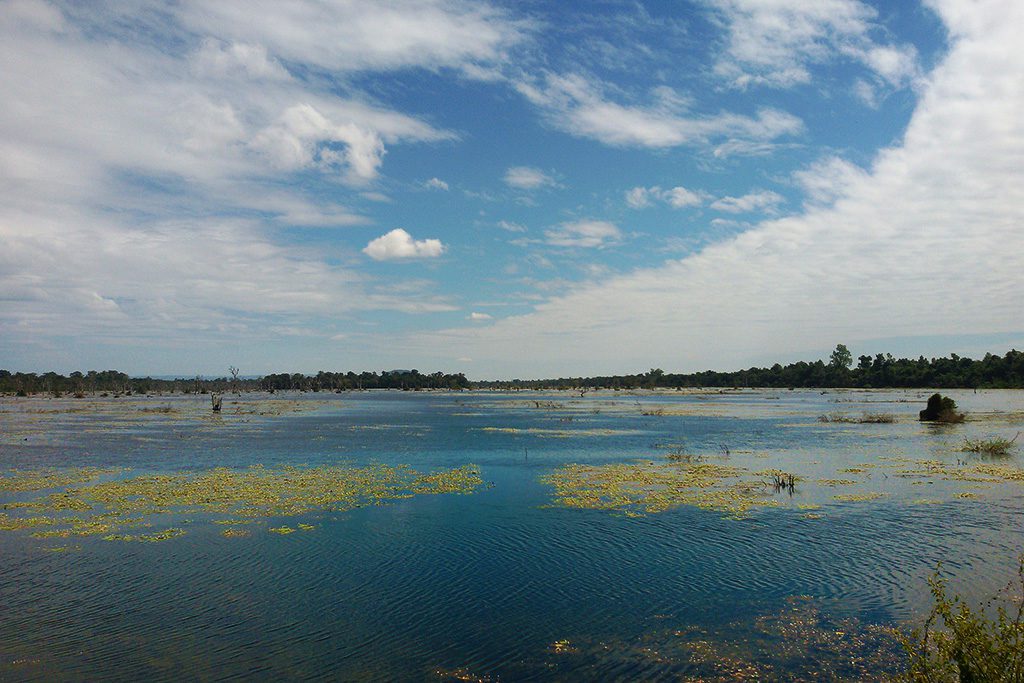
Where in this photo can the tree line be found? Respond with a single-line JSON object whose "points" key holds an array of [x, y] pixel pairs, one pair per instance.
{"points": [[115, 382], [879, 371]]}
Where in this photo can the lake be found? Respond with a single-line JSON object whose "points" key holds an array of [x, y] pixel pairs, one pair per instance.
{"points": [[492, 536]]}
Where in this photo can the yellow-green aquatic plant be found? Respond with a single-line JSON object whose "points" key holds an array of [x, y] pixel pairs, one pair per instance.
{"points": [[107, 508], [638, 488]]}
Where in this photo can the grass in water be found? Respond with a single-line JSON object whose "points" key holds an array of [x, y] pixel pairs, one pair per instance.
{"points": [[997, 446], [866, 418]]}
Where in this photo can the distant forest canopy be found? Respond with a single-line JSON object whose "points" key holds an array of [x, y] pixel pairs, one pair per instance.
{"points": [[880, 371], [112, 381]]}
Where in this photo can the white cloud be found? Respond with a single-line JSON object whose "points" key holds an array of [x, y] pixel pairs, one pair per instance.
{"points": [[680, 197], [437, 184], [578, 106], [677, 197], [584, 233], [398, 244], [866, 93], [511, 227], [149, 152], [829, 178], [358, 36], [775, 42], [638, 198], [527, 178], [479, 317], [755, 201], [942, 209]]}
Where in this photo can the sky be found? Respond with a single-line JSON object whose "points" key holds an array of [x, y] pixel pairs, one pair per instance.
{"points": [[522, 189]]}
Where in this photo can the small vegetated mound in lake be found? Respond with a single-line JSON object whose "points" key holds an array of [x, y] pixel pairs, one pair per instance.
{"points": [[996, 446], [941, 409], [108, 508]]}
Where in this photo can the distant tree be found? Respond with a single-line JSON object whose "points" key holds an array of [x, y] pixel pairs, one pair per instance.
{"points": [[841, 358]]}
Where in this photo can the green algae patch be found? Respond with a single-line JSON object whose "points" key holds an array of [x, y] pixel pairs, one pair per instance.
{"points": [[164, 535], [858, 497], [50, 478], [234, 532], [240, 496], [836, 482], [643, 488]]}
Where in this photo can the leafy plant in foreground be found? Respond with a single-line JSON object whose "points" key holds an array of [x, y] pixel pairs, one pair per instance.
{"points": [[968, 647]]}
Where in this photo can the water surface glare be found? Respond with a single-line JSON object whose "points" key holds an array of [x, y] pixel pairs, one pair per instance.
{"points": [[502, 580]]}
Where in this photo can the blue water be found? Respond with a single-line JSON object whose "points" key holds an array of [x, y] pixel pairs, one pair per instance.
{"points": [[484, 583]]}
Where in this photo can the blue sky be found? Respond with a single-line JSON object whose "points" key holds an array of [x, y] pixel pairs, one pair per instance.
{"points": [[507, 189]]}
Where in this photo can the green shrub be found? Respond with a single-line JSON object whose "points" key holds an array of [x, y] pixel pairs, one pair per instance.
{"points": [[941, 409], [968, 646]]}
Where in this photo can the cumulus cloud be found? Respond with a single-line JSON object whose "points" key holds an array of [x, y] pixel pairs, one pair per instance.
{"points": [[358, 36], [586, 233], [150, 152], [437, 184], [527, 178], [948, 197], [775, 43], [754, 201], [677, 197], [479, 317], [579, 106], [398, 245]]}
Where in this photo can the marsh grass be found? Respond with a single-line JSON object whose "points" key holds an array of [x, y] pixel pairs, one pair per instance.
{"points": [[997, 446], [866, 418]]}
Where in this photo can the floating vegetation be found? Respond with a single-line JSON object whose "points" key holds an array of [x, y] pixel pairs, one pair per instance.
{"points": [[640, 488], [857, 497], [836, 482], [108, 508], [461, 674], [50, 478], [164, 535], [283, 530], [866, 418], [233, 532], [797, 643]]}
